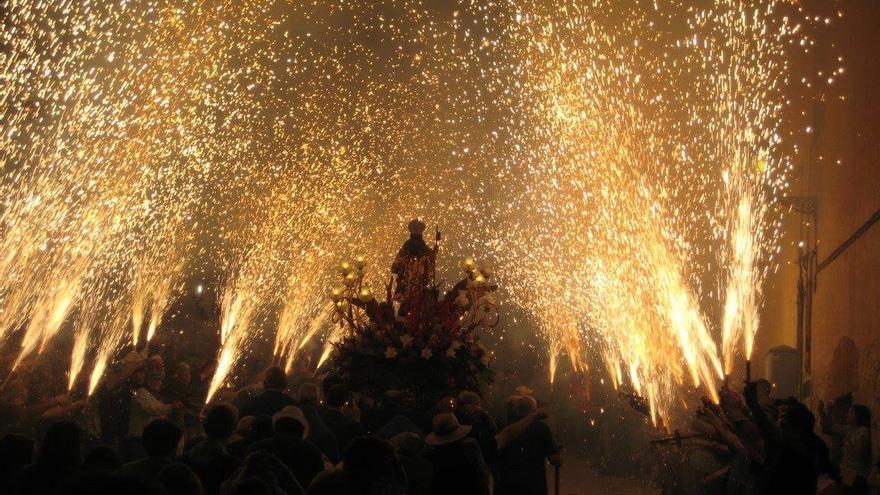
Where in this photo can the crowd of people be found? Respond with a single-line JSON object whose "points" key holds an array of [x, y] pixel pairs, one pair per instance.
{"points": [[145, 432], [767, 446]]}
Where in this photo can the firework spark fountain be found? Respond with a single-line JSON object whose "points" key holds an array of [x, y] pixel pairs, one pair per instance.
{"points": [[601, 152]]}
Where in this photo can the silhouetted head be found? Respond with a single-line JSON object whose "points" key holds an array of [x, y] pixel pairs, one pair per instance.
{"points": [[858, 415], [183, 373], [338, 395], [290, 421], [251, 486], [275, 379], [408, 443], [161, 438], [796, 421], [309, 394], [220, 421], [369, 458], [764, 388], [520, 406], [416, 227], [179, 479], [61, 446], [261, 427], [102, 459], [268, 468], [16, 451]]}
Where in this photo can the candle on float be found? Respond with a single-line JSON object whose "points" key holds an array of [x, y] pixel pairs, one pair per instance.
{"points": [[335, 295], [365, 295], [344, 268], [360, 261]]}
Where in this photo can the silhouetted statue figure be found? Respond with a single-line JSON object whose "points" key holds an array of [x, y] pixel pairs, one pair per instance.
{"points": [[415, 266]]}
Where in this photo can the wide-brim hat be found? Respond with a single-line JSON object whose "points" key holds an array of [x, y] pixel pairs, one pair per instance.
{"points": [[295, 413], [446, 429]]}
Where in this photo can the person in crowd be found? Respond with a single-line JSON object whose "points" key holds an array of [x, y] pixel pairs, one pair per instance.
{"points": [[114, 396], [789, 463], [58, 461], [855, 449], [736, 435], [369, 465], [319, 433], [210, 458], [469, 411], [179, 479], [262, 472], [765, 389], [102, 459], [146, 406], [13, 400], [309, 394], [16, 452], [410, 449], [520, 466], [288, 444], [456, 459], [250, 429], [219, 425], [342, 416], [179, 388], [111, 484], [251, 486], [161, 442], [828, 478], [834, 414], [273, 398]]}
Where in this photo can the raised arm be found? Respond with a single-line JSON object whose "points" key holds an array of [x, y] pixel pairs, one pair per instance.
{"points": [[513, 431]]}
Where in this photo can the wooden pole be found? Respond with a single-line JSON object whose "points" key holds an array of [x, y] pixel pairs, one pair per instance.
{"points": [[556, 470]]}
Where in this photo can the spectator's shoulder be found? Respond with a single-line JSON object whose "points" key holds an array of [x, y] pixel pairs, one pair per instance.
{"points": [[329, 482]]}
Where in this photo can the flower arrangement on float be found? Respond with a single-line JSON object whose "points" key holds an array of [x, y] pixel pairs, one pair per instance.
{"points": [[419, 341]]}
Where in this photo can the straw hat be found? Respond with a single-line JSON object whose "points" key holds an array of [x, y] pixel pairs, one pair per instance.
{"points": [[295, 413], [446, 429]]}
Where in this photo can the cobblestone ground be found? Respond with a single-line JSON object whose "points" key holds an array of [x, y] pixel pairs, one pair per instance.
{"points": [[579, 478]]}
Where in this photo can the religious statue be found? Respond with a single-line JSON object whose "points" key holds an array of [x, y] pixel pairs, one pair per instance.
{"points": [[414, 267], [417, 341]]}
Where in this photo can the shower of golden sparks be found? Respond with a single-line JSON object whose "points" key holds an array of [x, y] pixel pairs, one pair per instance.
{"points": [[634, 123], [741, 49], [577, 145]]}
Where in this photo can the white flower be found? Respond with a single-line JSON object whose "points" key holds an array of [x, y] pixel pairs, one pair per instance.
{"points": [[456, 344], [462, 299], [450, 352], [406, 340], [426, 353], [390, 352]]}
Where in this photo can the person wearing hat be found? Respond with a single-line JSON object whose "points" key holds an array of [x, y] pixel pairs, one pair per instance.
{"points": [[469, 411], [521, 462], [458, 463], [288, 444]]}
